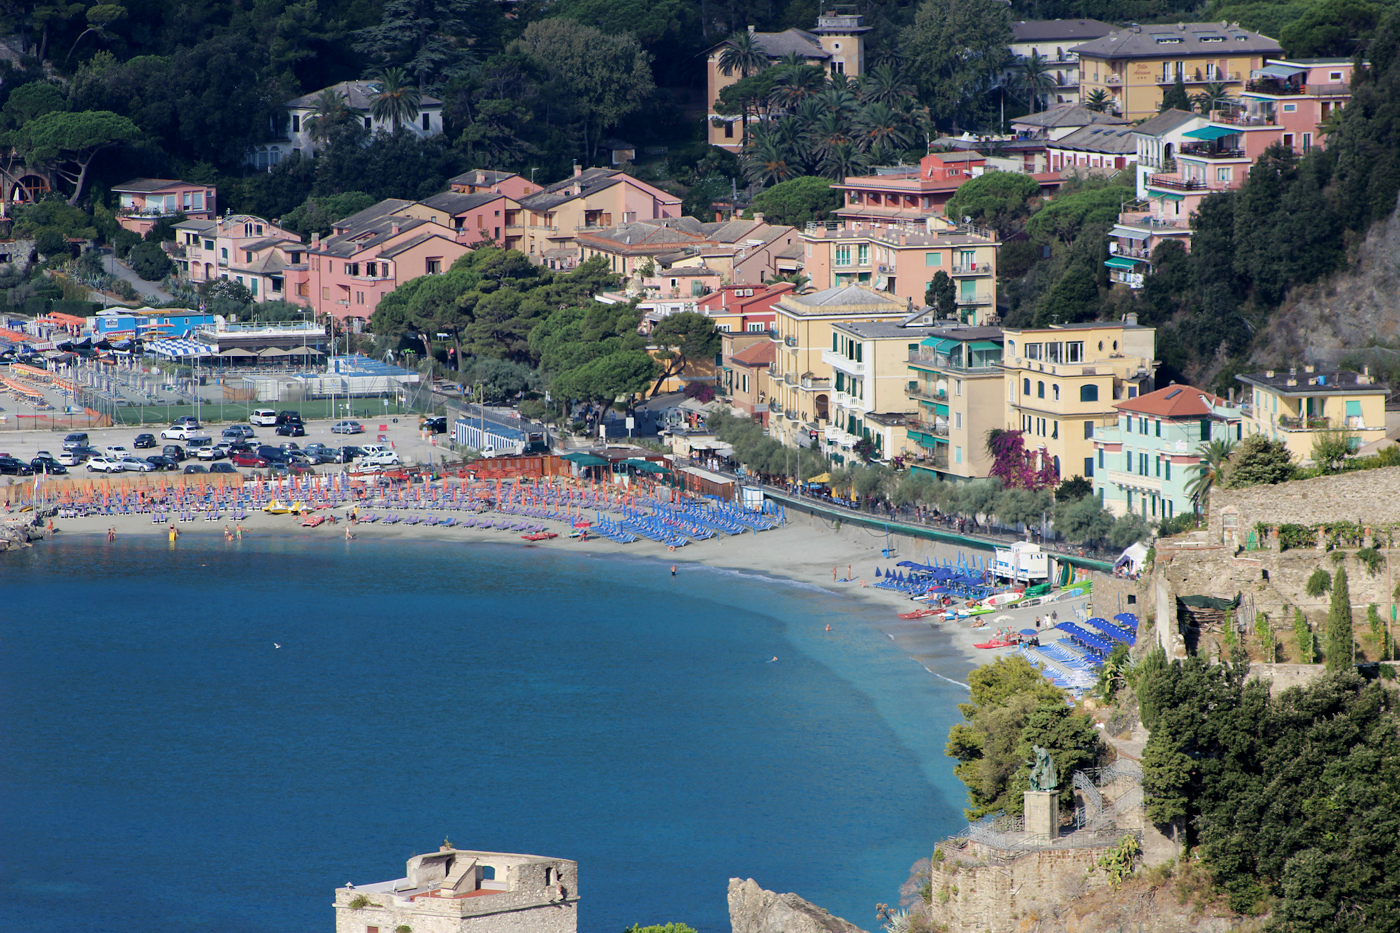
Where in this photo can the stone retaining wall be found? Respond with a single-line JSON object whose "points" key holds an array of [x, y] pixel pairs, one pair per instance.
{"points": [[1367, 497]]}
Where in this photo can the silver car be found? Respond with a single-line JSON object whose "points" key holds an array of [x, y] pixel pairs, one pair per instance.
{"points": [[135, 465]]}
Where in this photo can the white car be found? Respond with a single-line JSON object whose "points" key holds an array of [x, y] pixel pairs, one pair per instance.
{"points": [[263, 417], [70, 458], [104, 464], [179, 432], [135, 465], [211, 453], [380, 459], [116, 451]]}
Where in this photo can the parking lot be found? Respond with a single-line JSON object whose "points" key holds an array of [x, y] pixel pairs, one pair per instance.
{"points": [[400, 433]]}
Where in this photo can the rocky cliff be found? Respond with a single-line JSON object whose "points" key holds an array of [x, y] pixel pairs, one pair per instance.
{"points": [[754, 910], [1320, 323]]}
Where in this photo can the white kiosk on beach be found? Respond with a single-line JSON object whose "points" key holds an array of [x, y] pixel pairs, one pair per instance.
{"points": [[1022, 562]]}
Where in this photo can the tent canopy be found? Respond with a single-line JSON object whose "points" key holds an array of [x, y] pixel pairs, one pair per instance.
{"points": [[646, 466], [820, 478], [1210, 132], [584, 459], [236, 351]]}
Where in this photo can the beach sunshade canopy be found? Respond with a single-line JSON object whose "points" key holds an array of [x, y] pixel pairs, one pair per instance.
{"points": [[236, 351], [1030, 632], [1210, 132], [647, 466], [273, 351], [820, 478]]}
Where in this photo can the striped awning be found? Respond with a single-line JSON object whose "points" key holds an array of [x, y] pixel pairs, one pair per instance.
{"points": [[179, 347]]}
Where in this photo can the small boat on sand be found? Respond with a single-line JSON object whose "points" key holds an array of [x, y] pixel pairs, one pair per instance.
{"points": [[540, 536], [312, 521], [920, 613]]}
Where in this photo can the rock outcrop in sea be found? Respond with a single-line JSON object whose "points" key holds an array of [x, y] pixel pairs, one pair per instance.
{"points": [[754, 910]]}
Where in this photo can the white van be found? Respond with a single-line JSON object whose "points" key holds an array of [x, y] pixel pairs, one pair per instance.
{"points": [[263, 417], [371, 449]]}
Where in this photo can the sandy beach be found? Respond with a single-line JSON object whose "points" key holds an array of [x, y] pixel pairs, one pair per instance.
{"points": [[800, 551]]}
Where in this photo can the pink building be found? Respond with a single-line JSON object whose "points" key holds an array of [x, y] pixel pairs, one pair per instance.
{"points": [[147, 201], [1100, 146], [371, 253], [1286, 101], [264, 258], [744, 308], [483, 180], [476, 216]]}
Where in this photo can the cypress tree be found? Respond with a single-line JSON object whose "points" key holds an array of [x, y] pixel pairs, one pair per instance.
{"points": [[1339, 634], [1307, 652]]}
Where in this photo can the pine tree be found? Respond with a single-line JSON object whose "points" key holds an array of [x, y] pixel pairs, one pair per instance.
{"points": [[1339, 635]]}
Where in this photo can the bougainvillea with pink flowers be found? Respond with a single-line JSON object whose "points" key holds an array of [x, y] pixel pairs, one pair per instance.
{"points": [[1017, 467]]}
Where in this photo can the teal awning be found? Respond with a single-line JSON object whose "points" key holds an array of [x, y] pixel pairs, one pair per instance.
{"points": [[940, 344], [584, 459], [1210, 132], [984, 345], [1165, 195], [1123, 262], [646, 466]]}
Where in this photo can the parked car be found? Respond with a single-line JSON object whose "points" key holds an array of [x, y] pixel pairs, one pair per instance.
{"points": [[88, 452], [242, 447], [162, 462], [71, 458], [320, 456], [195, 468], [188, 420], [382, 458], [144, 441], [291, 429], [247, 459], [15, 466], [195, 445], [72, 441], [48, 465], [263, 417], [116, 451], [347, 427], [288, 417], [180, 432], [435, 424], [348, 453], [136, 465], [216, 452], [237, 432], [221, 468], [174, 452], [103, 464]]}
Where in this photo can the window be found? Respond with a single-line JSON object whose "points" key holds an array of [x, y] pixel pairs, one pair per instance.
{"points": [[863, 254], [835, 347], [957, 387], [1128, 459], [1100, 457], [1040, 390], [957, 420], [933, 259], [755, 328], [237, 278], [1026, 387], [1052, 352], [276, 282], [367, 123], [1089, 393], [1224, 173], [1142, 464], [1032, 351], [296, 257], [1290, 108], [1074, 352], [223, 253], [1088, 467], [728, 129], [1055, 390], [1307, 142], [957, 455], [253, 287], [208, 244], [1205, 429], [1054, 430], [1158, 466], [843, 255], [434, 266], [296, 123], [1088, 430], [1168, 468], [427, 122], [1288, 140], [1159, 427]]}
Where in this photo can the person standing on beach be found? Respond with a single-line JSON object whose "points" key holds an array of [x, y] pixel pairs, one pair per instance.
{"points": [[673, 570], [833, 574]]}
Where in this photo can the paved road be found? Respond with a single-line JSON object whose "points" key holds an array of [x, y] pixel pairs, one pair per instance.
{"points": [[150, 292]]}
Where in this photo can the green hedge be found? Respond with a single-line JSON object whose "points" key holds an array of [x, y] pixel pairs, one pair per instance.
{"points": [[33, 307]]}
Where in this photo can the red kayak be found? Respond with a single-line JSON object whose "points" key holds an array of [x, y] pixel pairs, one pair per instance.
{"points": [[540, 536], [919, 613], [997, 643]]}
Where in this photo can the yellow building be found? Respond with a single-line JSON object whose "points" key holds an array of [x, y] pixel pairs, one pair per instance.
{"points": [[955, 383], [1295, 406], [1134, 66], [799, 387], [1061, 383], [903, 259], [869, 363]]}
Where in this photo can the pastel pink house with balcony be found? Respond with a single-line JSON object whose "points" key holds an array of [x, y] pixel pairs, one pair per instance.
{"points": [[144, 202]]}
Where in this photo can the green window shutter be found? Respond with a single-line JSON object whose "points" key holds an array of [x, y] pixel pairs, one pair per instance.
{"points": [[1354, 408], [834, 338]]}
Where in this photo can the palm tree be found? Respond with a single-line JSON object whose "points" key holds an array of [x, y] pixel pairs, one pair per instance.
{"points": [[884, 85], [795, 85], [765, 161], [1215, 96], [880, 129], [327, 114], [1036, 79], [1098, 100], [840, 97], [396, 99], [1208, 471], [791, 135], [744, 54], [828, 130]]}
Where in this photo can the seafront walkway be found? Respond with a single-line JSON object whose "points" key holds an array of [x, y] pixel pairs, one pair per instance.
{"points": [[900, 524]]}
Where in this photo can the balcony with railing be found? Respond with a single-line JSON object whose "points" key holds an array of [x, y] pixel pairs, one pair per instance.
{"points": [[971, 301], [816, 383], [973, 268], [790, 414], [980, 362], [1197, 76], [1211, 151], [932, 428], [838, 361], [1275, 87], [789, 379], [1304, 423], [1149, 221], [775, 407], [1251, 116], [916, 390], [1134, 481], [789, 341]]}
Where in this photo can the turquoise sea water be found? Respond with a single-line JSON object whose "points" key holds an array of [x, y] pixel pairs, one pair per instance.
{"points": [[164, 768]]}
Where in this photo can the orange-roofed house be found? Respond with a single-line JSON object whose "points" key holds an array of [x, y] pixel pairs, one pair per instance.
{"points": [[744, 308], [147, 201], [1147, 461], [744, 370]]}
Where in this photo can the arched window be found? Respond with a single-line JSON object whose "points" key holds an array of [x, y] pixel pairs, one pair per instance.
{"points": [[1056, 390], [1089, 393], [1026, 390], [1040, 390]]}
